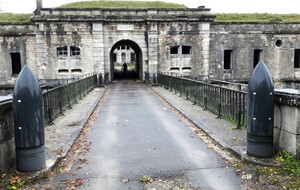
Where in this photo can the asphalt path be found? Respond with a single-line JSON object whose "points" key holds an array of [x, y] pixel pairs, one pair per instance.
{"points": [[136, 134]]}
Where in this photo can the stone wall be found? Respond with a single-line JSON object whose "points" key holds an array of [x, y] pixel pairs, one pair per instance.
{"points": [[7, 137], [277, 42], [15, 39], [177, 35], [54, 35]]}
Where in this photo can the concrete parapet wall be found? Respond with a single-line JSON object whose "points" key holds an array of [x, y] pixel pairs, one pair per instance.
{"points": [[7, 137], [286, 125]]}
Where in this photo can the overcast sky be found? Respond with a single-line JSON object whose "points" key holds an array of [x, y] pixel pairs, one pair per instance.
{"points": [[217, 6]]}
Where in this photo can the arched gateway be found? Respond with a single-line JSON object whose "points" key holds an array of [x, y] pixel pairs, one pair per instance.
{"points": [[61, 43], [129, 53], [76, 41]]}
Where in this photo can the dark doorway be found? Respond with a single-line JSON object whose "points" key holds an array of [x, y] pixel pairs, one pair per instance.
{"points": [[227, 59], [297, 58], [257, 57], [16, 63], [129, 53]]}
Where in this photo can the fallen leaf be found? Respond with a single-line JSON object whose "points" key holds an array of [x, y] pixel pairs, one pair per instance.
{"points": [[236, 139], [125, 181], [145, 179], [247, 177], [58, 151]]}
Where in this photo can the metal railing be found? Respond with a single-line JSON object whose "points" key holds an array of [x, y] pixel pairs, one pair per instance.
{"points": [[60, 98], [224, 102]]}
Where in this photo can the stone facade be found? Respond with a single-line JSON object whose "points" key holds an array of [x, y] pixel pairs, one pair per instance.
{"points": [[275, 42], [63, 43]]}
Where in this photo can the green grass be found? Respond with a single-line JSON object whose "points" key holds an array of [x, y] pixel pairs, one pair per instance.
{"points": [[123, 5], [14, 18], [228, 18]]}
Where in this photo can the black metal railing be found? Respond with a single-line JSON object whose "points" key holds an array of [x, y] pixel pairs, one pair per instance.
{"points": [[60, 98], [225, 102]]}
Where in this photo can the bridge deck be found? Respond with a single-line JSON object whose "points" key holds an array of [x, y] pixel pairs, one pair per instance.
{"points": [[137, 134]]}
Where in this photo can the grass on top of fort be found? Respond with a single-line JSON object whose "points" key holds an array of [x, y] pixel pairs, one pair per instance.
{"points": [[14, 18], [258, 17], [124, 5]]}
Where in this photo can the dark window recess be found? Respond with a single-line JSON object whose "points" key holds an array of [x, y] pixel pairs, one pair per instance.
{"points": [[16, 63], [75, 51], [123, 47], [257, 57], [132, 57], [174, 69], [62, 51], [174, 50], [297, 58], [114, 57], [63, 71], [227, 59], [186, 50], [186, 68], [76, 71]]}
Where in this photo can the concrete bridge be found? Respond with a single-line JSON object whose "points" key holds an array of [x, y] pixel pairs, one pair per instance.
{"points": [[56, 104]]}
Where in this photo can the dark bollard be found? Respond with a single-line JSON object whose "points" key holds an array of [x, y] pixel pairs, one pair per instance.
{"points": [[29, 122], [260, 111]]}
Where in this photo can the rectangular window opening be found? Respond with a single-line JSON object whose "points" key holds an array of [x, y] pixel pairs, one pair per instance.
{"points": [[16, 63], [62, 51], [186, 50], [297, 58], [132, 57], [75, 51], [257, 57], [174, 50], [227, 59], [114, 58]]}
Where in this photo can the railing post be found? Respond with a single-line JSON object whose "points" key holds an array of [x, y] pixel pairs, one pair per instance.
{"points": [[239, 108], [220, 103], [260, 111], [29, 122]]}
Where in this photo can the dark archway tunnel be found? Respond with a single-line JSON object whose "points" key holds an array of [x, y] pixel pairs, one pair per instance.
{"points": [[126, 51]]}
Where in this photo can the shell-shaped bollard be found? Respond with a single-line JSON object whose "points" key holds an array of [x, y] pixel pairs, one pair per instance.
{"points": [[28, 122], [260, 113]]}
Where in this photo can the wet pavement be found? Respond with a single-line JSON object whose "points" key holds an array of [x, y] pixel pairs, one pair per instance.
{"points": [[136, 135]]}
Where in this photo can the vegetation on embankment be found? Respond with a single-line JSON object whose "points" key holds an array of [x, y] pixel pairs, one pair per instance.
{"points": [[257, 17], [14, 18], [124, 5]]}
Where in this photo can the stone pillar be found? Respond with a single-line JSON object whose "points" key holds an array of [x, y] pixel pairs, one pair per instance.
{"points": [[205, 49], [152, 50], [41, 52], [98, 46]]}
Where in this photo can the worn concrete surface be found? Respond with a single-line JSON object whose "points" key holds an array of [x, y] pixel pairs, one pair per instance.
{"points": [[134, 135], [60, 136]]}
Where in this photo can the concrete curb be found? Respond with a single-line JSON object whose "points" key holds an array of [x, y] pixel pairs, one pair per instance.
{"points": [[66, 134]]}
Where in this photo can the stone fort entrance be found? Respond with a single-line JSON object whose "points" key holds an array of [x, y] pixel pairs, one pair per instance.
{"points": [[128, 52]]}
